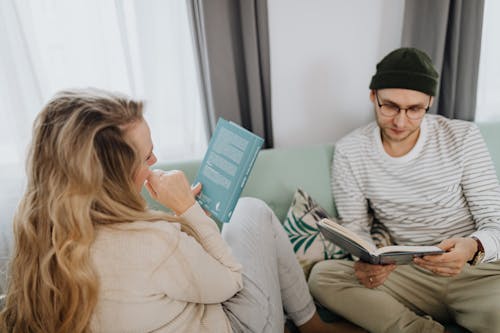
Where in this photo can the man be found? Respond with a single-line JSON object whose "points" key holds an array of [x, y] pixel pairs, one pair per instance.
{"points": [[429, 180]]}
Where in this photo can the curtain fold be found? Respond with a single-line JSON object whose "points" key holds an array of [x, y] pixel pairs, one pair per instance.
{"points": [[450, 32], [140, 48], [233, 52]]}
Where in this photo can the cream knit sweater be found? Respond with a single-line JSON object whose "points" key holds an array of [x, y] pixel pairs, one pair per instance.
{"points": [[155, 278]]}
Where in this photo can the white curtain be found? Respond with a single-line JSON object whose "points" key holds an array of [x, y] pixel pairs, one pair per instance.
{"points": [[488, 89], [141, 48]]}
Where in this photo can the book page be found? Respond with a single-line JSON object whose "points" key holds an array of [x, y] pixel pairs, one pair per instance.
{"points": [[408, 249], [358, 247], [349, 234]]}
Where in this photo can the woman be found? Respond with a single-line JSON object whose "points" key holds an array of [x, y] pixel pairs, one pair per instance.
{"points": [[90, 256]]}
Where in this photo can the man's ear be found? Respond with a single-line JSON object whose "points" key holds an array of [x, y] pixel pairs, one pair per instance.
{"points": [[431, 101], [372, 95]]}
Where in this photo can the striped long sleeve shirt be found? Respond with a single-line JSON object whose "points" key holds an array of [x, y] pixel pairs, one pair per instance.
{"points": [[446, 186]]}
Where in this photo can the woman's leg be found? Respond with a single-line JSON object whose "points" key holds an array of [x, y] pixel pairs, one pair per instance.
{"points": [[272, 278]]}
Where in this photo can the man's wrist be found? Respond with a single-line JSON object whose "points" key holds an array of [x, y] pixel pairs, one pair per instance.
{"points": [[479, 254]]}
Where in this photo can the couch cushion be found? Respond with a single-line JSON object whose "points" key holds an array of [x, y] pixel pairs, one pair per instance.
{"points": [[309, 244]]}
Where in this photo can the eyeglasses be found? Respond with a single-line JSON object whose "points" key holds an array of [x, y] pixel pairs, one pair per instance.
{"points": [[413, 112]]}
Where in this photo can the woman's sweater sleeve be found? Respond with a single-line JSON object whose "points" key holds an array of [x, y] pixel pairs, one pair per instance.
{"points": [[199, 272]]}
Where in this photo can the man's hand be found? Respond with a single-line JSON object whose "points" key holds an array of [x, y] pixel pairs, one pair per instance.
{"points": [[372, 276], [458, 252]]}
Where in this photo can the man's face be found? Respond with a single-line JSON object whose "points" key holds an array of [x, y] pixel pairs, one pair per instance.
{"points": [[399, 129]]}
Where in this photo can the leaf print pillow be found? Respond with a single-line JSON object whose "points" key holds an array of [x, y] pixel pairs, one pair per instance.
{"points": [[308, 243]]}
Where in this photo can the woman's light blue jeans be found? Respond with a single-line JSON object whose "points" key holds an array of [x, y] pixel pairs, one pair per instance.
{"points": [[273, 281]]}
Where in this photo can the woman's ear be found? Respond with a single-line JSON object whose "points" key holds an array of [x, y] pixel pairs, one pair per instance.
{"points": [[431, 101]]}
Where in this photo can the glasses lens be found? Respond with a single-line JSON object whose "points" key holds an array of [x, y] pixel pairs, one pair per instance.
{"points": [[416, 113], [389, 110], [392, 110]]}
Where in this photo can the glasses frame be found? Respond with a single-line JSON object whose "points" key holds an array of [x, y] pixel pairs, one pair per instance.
{"points": [[400, 108]]}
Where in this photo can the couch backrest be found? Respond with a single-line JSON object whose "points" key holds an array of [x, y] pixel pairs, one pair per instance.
{"points": [[276, 175], [491, 134], [278, 172]]}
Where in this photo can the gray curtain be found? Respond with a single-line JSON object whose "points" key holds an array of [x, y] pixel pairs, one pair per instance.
{"points": [[450, 32], [232, 41]]}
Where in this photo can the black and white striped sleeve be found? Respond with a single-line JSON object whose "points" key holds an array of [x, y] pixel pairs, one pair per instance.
{"points": [[351, 203]]}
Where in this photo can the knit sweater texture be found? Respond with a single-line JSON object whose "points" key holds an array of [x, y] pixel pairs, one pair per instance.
{"points": [[155, 278]]}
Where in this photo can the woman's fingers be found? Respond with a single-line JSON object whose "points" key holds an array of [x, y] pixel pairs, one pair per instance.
{"points": [[196, 189], [151, 190]]}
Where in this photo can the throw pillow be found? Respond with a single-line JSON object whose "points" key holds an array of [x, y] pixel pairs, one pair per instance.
{"points": [[308, 243], [380, 234]]}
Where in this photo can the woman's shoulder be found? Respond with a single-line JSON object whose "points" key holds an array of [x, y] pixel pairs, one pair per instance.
{"points": [[137, 229], [140, 242], [160, 225]]}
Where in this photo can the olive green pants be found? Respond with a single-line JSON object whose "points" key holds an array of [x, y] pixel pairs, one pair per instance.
{"points": [[412, 299]]}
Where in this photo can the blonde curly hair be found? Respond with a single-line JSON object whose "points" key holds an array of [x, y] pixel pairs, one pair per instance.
{"points": [[80, 174]]}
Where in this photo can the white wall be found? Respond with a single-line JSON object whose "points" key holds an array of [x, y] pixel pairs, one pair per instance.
{"points": [[488, 99], [323, 54]]}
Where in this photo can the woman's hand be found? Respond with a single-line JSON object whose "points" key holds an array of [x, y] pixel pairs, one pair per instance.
{"points": [[171, 189], [372, 276]]}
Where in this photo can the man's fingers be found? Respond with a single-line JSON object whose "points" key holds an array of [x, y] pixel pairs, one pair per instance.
{"points": [[374, 281], [372, 276], [444, 269], [435, 262]]}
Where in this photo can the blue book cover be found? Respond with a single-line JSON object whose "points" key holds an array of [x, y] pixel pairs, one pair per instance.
{"points": [[224, 171]]}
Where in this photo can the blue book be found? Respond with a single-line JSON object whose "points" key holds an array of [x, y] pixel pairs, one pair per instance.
{"points": [[224, 171]]}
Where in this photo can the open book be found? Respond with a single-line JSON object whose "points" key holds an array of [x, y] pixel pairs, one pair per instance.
{"points": [[224, 171], [366, 251]]}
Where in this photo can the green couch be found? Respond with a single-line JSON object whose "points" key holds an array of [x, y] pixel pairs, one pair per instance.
{"points": [[278, 172]]}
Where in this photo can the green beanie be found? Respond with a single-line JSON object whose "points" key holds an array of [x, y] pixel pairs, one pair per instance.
{"points": [[406, 68]]}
